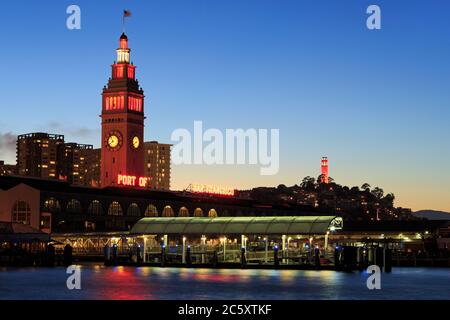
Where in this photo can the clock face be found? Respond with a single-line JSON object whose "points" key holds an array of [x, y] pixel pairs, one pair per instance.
{"points": [[136, 142], [114, 140]]}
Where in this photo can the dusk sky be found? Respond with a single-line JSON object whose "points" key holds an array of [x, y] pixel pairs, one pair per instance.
{"points": [[377, 103]]}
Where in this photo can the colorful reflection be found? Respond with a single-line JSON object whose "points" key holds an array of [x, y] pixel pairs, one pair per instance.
{"points": [[123, 283]]}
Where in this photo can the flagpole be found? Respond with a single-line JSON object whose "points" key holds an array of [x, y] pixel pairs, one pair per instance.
{"points": [[126, 14], [123, 22]]}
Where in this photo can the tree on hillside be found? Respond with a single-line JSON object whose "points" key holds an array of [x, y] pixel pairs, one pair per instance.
{"points": [[388, 200], [354, 190], [378, 192], [308, 183]]}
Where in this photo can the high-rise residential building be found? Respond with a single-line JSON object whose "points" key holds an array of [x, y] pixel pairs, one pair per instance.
{"points": [[90, 167], [46, 155], [157, 164], [38, 153], [73, 162]]}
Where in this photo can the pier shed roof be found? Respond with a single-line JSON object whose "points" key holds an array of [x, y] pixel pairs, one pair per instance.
{"points": [[237, 225]]}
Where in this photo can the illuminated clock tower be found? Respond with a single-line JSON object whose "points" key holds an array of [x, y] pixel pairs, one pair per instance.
{"points": [[122, 121]]}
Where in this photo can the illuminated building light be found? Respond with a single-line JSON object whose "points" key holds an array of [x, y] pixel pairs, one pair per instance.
{"points": [[131, 72], [132, 181], [212, 190], [324, 167]]}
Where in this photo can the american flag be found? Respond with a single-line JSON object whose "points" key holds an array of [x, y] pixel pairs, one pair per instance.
{"points": [[126, 13]]}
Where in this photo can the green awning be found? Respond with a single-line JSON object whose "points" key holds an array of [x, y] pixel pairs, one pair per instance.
{"points": [[237, 225]]}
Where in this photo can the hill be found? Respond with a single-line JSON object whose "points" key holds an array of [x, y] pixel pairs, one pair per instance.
{"points": [[432, 214]]}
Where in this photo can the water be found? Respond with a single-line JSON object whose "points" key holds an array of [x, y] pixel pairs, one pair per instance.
{"points": [[99, 282]]}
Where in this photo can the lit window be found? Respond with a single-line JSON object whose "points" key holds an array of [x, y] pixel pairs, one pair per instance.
{"points": [[115, 209], [21, 212]]}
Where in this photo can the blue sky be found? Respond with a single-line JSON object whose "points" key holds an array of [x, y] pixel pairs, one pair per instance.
{"points": [[375, 102]]}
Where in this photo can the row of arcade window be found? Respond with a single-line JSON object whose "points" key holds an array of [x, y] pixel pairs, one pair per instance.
{"points": [[115, 209]]}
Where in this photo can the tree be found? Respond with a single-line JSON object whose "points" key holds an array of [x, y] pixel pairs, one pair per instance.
{"points": [[378, 192], [308, 183], [365, 187], [388, 200]]}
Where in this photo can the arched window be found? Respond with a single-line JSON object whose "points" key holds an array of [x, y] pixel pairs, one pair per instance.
{"points": [[168, 212], [115, 209], [212, 213], [133, 210], [95, 208], [151, 211], [198, 212], [74, 206], [52, 205], [21, 212], [184, 212]]}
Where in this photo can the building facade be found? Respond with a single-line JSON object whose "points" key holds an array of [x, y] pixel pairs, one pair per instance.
{"points": [[38, 155], [58, 206], [7, 169], [73, 161], [48, 156], [90, 161], [157, 165]]}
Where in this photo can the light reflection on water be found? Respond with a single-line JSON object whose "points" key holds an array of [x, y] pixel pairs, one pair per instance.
{"points": [[99, 282]]}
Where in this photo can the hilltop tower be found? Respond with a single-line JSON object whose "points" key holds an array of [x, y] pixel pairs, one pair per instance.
{"points": [[324, 170]]}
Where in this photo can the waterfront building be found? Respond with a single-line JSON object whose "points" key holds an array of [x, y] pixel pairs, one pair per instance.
{"points": [[80, 209], [259, 239]]}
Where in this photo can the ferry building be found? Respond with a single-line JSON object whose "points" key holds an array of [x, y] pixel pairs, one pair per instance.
{"points": [[123, 212]]}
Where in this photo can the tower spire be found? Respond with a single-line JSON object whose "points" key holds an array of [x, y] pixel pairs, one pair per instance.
{"points": [[123, 53]]}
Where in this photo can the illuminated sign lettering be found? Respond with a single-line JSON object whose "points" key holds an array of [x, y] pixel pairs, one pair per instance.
{"points": [[132, 181], [214, 190]]}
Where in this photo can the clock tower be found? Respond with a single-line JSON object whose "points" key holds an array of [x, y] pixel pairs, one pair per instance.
{"points": [[122, 121]]}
